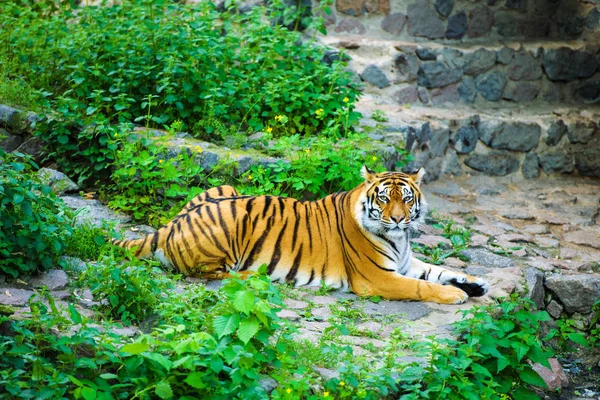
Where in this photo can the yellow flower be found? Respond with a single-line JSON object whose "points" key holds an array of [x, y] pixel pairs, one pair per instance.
{"points": [[325, 394], [229, 154], [161, 161], [199, 149], [346, 99], [289, 390], [116, 135], [307, 151], [319, 112], [269, 130], [342, 383], [279, 117], [250, 177], [374, 158]]}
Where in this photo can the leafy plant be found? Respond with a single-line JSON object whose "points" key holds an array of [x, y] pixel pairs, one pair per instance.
{"points": [[34, 224]]}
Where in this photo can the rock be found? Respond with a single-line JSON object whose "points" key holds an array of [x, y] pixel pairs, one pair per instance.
{"points": [[96, 213], [375, 6], [576, 292], [588, 92], [407, 67], [535, 286], [556, 162], [436, 74], [426, 54], [484, 257], [555, 309], [351, 26], [323, 300], [479, 240], [431, 240], [14, 297], [465, 139], [288, 314], [59, 182], [296, 304], [555, 378], [454, 58], [491, 85], [517, 136], [495, 163], [520, 92], [375, 76], [423, 21], [524, 67], [547, 242], [447, 94], [457, 26], [509, 26], [556, 131], [423, 95], [454, 262], [481, 20], [8, 141], [406, 95], [480, 61], [73, 264], [400, 309], [516, 4], [467, 90], [584, 238], [535, 229], [55, 279], [531, 166], [33, 146], [351, 7], [592, 20], [444, 7], [582, 132], [587, 161], [331, 56], [565, 64], [326, 374], [505, 55], [268, 384], [394, 23], [11, 118]]}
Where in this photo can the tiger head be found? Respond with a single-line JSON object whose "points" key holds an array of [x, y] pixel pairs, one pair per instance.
{"points": [[391, 203]]}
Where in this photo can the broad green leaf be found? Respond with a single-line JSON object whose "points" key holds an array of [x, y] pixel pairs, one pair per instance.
{"points": [[75, 316], [524, 394], [163, 390], [579, 339], [135, 348], [528, 375], [248, 329], [88, 393], [244, 301], [108, 376], [481, 370], [196, 380], [226, 324]]}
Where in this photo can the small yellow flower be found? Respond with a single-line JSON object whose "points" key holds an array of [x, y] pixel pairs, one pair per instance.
{"points": [[250, 177], [342, 383], [116, 135], [307, 151], [279, 117], [199, 149], [374, 158], [325, 394], [289, 390], [319, 112], [229, 154], [269, 129], [346, 99], [161, 161]]}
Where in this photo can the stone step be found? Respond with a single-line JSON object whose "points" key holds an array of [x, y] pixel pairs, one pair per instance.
{"points": [[499, 75], [525, 142]]}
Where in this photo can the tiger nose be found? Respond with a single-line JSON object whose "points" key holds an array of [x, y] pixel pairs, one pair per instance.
{"points": [[397, 218]]}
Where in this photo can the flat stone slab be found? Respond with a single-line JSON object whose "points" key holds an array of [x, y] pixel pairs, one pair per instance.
{"points": [[402, 309], [584, 237], [15, 297], [94, 212], [487, 258], [55, 279]]}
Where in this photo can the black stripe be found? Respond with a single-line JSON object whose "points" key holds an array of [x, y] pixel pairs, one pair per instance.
{"points": [[294, 270], [379, 266], [255, 249], [220, 190], [268, 200], [277, 251], [210, 215]]}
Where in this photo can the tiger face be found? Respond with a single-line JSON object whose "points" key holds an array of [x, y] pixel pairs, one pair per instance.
{"points": [[392, 203]]}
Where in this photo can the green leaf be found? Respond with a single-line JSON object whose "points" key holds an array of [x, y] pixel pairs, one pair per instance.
{"points": [[17, 198], [88, 393], [579, 339], [163, 390], [528, 375], [481, 370], [75, 316], [135, 348], [196, 380], [503, 362], [244, 301], [522, 393], [109, 376], [248, 329], [226, 324]]}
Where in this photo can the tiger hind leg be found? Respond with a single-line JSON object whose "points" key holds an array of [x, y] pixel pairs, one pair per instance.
{"points": [[472, 286]]}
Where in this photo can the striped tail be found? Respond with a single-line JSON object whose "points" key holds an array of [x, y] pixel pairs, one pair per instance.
{"points": [[142, 248]]}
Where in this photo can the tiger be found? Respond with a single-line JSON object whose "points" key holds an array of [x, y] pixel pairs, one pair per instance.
{"points": [[357, 240]]}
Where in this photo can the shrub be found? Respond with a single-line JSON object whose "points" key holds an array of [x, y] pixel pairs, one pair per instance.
{"points": [[34, 224]]}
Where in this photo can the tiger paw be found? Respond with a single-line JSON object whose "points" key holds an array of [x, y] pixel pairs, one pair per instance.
{"points": [[474, 287], [451, 295]]}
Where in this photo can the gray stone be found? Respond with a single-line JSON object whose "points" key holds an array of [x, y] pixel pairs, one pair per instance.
{"points": [[576, 292], [535, 286], [436, 74], [394, 23], [582, 132], [326, 374], [423, 21], [407, 67], [521, 91], [452, 164], [505, 55], [8, 141], [486, 258], [491, 85], [565, 64], [592, 20], [480, 61], [583, 238], [331, 56], [552, 93], [588, 92], [517, 136], [587, 161], [73, 264], [465, 139], [268, 384], [33, 146], [495, 163], [375, 76], [14, 297], [11, 118], [446, 94], [59, 182], [531, 166], [570, 25], [402, 309], [351, 26], [426, 54], [481, 20], [520, 5], [444, 7], [423, 95], [509, 25], [477, 270], [556, 131], [555, 309], [406, 95], [454, 58], [467, 90], [94, 212], [457, 26], [55, 279], [558, 161], [524, 67]]}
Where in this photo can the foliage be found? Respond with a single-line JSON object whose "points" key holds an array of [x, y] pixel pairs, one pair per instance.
{"points": [[15, 91], [86, 242], [491, 359], [459, 236], [34, 224]]}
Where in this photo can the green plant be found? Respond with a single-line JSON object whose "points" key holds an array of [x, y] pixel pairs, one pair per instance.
{"points": [[34, 224], [379, 116]]}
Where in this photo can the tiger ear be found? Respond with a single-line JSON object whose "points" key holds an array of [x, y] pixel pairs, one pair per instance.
{"points": [[367, 173], [417, 177]]}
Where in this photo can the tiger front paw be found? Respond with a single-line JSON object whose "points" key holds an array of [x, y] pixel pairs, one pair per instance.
{"points": [[474, 287], [451, 295]]}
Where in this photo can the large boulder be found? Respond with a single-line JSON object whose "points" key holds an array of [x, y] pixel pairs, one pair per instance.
{"points": [[577, 293], [517, 136], [496, 162]]}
